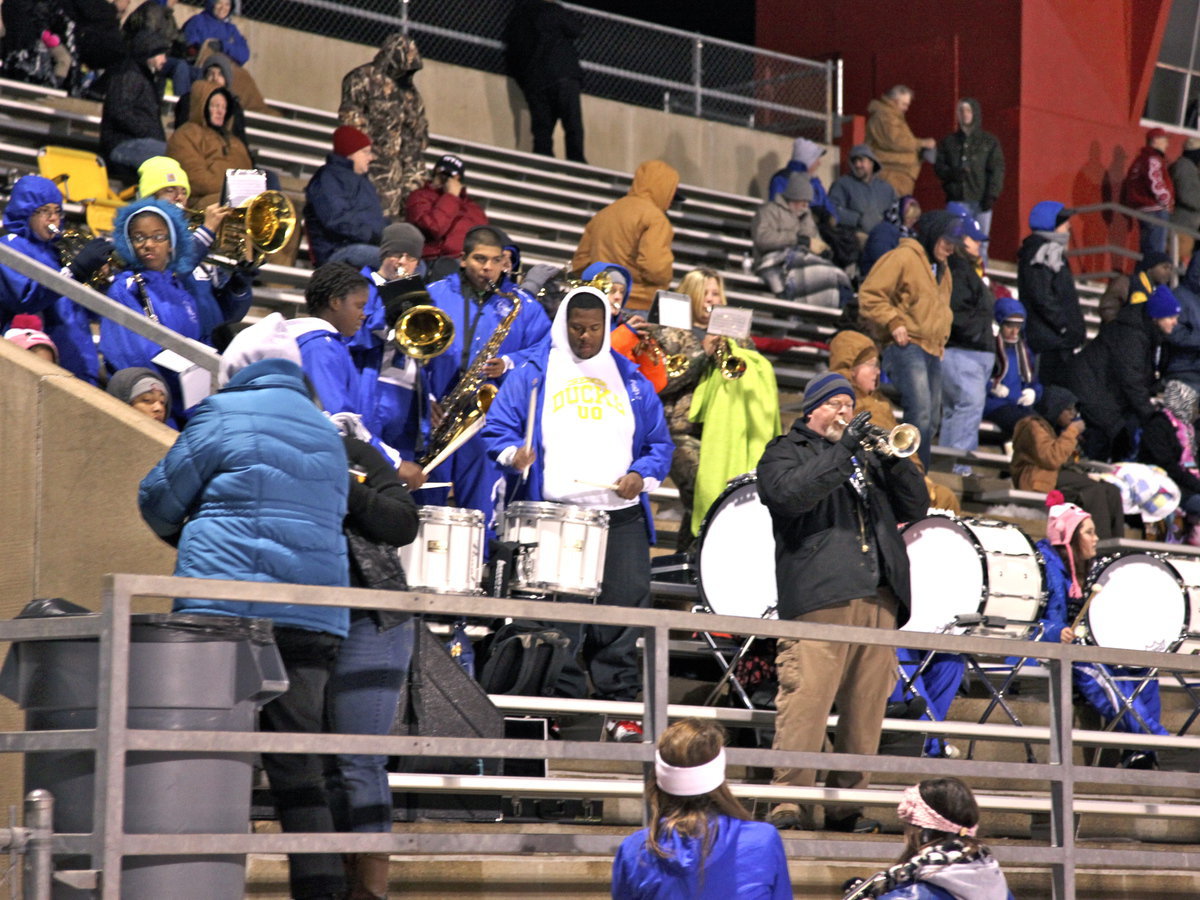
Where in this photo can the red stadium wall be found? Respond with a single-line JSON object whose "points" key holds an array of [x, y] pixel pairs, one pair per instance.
{"points": [[1062, 85]]}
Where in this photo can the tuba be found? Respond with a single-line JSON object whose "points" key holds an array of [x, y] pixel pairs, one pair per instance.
{"points": [[253, 230], [728, 365]]}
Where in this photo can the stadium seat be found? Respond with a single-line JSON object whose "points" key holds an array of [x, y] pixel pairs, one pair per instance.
{"points": [[83, 178]]}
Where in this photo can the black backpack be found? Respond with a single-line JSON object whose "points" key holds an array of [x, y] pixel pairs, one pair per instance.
{"points": [[524, 660]]}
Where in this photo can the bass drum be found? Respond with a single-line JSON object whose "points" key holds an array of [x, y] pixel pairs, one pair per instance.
{"points": [[1139, 602], [735, 554]]}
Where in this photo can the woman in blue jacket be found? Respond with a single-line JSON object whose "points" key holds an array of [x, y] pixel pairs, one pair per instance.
{"points": [[700, 843], [213, 23]]}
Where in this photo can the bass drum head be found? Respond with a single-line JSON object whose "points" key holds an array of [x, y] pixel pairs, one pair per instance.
{"points": [[1137, 604], [735, 554], [946, 573]]}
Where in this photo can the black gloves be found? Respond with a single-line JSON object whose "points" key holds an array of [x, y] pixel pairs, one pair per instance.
{"points": [[90, 259], [859, 428]]}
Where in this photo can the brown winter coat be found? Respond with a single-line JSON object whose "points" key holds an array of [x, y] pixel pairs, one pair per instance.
{"points": [[634, 232], [1038, 453], [205, 152], [848, 349], [900, 290], [895, 144]]}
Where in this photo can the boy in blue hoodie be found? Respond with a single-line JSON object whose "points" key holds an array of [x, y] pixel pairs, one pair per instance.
{"points": [[1014, 387]]}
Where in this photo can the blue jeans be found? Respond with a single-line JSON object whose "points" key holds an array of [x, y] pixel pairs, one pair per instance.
{"points": [[134, 152], [358, 255], [1153, 237], [363, 693], [965, 375], [984, 218], [918, 377]]}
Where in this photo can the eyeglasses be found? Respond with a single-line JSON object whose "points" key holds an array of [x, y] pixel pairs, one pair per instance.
{"points": [[49, 212], [138, 239], [839, 403]]}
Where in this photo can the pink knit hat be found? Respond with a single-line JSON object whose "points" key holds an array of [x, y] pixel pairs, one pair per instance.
{"points": [[28, 338], [1064, 519]]}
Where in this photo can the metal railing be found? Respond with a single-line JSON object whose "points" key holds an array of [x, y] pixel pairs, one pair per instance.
{"points": [[1107, 211], [623, 59], [112, 740]]}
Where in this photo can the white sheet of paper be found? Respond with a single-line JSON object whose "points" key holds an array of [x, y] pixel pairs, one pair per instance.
{"points": [[729, 322], [241, 184], [675, 310]]}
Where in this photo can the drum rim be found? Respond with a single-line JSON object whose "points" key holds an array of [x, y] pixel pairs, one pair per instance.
{"points": [[1102, 564], [563, 512], [734, 484], [458, 515]]}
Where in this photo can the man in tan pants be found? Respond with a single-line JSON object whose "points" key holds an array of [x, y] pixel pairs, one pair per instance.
{"points": [[839, 560]]}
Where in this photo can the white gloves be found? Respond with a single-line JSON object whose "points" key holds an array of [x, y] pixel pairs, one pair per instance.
{"points": [[1028, 395], [1000, 390]]}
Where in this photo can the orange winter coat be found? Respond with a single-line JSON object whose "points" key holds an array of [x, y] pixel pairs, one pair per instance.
{"points": [[900, 290], [1039, 454], [205, 152], [894, 143]]}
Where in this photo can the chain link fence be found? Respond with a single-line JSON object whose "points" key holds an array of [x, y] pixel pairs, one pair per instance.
{"points": [[623, 59]]}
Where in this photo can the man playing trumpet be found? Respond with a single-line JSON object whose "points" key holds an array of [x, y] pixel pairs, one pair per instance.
{"points": [[839, 560]]}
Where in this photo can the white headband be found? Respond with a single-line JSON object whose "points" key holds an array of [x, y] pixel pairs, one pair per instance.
{"points": [[690, 781]]}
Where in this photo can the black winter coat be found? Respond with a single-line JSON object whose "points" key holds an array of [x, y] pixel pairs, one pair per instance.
{"points": [[821, 525], [1054, 320], [1160, 447], [131, 106], [1115, 375], [540, 44], [1183, 343], [971, 167], [972, 303]]}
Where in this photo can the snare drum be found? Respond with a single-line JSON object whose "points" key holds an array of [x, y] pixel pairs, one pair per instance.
{"points": [[735, 554], [570, 542], [447, 556], [973, 567], [1144, 602]]}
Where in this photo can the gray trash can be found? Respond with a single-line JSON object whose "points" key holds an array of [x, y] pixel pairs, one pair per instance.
{"points": [[186, 672]]}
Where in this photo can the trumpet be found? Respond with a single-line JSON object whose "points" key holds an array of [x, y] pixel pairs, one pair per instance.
{"points": [[901, 442], [676, 363], [423, 332], [730, 366]]}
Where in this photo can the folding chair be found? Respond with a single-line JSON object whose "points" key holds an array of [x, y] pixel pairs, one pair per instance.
{"points": [[83, 178]]}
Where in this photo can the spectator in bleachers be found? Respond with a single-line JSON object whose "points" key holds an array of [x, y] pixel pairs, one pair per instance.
{"points": [[805, 156], [342, 213], [243, 86], [1147, 188], [218, 69], [635, 232], [860, 200], [32, 219], [1183, 343], [153, 237], [1186, 178], [24, 55], [380, 100], [214, 23], [907, 297], [788, 250], [898, 149], [131, 128], [142, 389], [1046, 444], [1046, 287], [158, 17], [1116, 374], [98, 42], [970, 349], [1013, 388], [628, 331], [899, 220], [25, 335], [970, 164], [255, 489], [445, 214], [206, 146], [540, 55], [1153, 269], [1169, 442]]}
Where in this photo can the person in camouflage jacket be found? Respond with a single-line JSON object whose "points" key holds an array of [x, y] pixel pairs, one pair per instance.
{"points": [[380, 99]]}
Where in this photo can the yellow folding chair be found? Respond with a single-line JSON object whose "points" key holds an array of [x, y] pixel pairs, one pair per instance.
{"points": [[83, 178]]}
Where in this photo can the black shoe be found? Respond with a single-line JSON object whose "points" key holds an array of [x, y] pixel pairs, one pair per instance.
{"points": [[1139, 759], [855, 824], [785, 817], [906, 709]]}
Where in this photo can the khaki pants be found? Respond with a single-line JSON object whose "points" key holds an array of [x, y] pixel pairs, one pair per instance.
{"points": [[813, 674]]}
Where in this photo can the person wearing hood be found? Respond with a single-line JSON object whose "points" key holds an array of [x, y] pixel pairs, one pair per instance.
{"points": [[895, 145], [341, 210], [805, 156], [1013, 388], [1147, 188], [255, 489], [153, 237], [1116, 375], [906, 295], [701, 843], [1045, 444], [597, 421], [860, 199], [1186, 178], [540, 55], [634, 232], [206, 145], [445, 213], [218, 69], [943, 859], [142, 389], [97, 33], [1183, 343], [1169, 442], [629, 330], [1054, 327], [840, 560], [32, 222], [131, 128], [214, 23], [970, 164], [899, 221], [1153, 269], [380, 100]]}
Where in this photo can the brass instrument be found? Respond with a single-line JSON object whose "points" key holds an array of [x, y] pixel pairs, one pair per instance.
{"points": [[730, 366], [252, 231], [676, 363], [901, 442], [71, 241], [423, 332], [464, 407]]}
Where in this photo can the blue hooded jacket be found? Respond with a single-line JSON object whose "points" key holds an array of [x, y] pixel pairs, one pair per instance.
{"points": [[19, 294], [1008, 307], [206, 26], [255, 489]]}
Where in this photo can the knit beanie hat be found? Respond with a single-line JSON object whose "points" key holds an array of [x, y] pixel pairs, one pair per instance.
{"points": [[28, 338], [1064, 519], [1155, 133], [799, 187], [1047, 215], [1152, 258], [160, 172], [823, 387], [129, 384], [1162, 303], [401, 238], [265, 339], [347, 140]]}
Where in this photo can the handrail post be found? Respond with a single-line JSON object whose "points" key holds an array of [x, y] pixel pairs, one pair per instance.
{"points": [[39, 858], [698, 75], [1062, 787], [404, 16]]}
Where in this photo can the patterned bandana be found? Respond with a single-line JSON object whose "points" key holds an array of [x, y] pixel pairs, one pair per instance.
{"points": [[915, 811]]}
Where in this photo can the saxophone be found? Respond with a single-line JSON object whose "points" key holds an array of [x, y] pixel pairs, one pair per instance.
{"points": [[466, 404]]}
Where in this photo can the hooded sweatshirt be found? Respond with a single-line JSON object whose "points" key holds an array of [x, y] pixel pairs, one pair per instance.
{"points": [[204, 150], [131, 103], [979, 879], [634, 232], [805, 156], [205, 26], [848, 349], [624, 339], [19, 294]]}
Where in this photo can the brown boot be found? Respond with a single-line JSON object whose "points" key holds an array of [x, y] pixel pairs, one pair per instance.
{"points": [[370, 877]]}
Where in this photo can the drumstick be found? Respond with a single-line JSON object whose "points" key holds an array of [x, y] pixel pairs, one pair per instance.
{"points": [[598, 484], [434, 484], [533, 395], [1084, 610]]}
